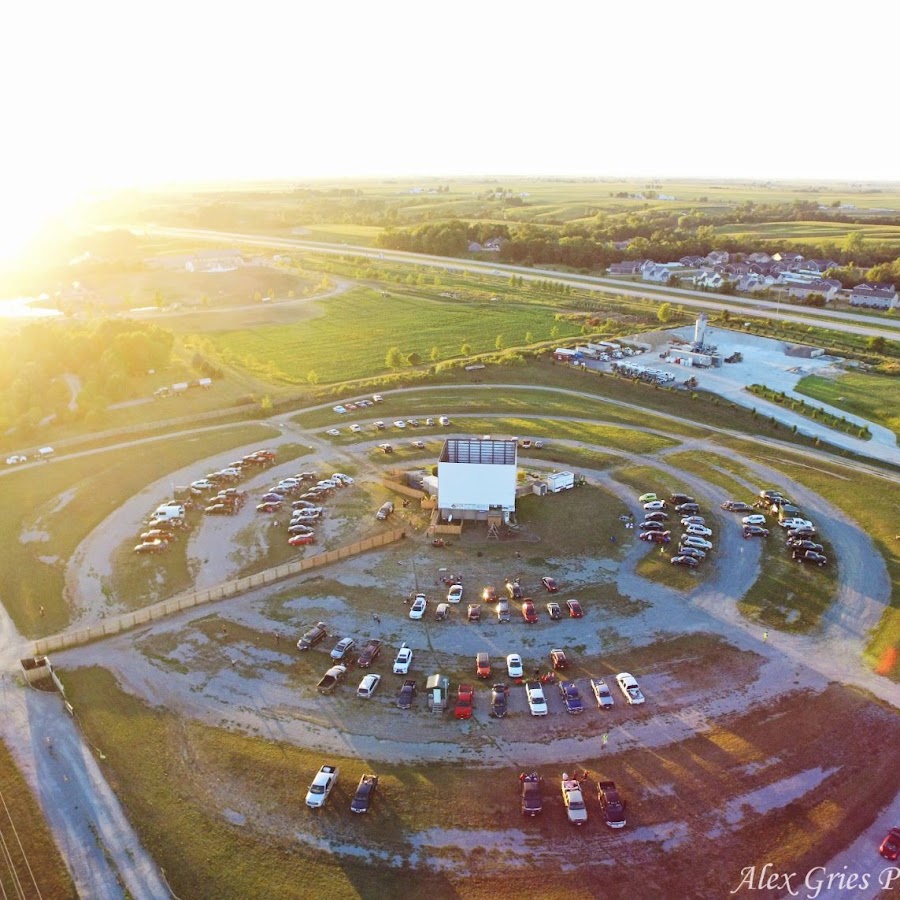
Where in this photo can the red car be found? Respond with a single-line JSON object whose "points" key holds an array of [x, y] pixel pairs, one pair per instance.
{"points": [[575, 610], [465, 699], [300, 540], [549, 584], [890, 846], [529, 613], [656, 537]]}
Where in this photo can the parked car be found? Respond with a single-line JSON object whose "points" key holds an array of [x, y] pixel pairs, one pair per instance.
{"points": [[339, 409], [332, 432], [575, 610], [652, 526], [367, 685], [454, 595], [688, 561], [655, 505], [503, 611], [407, 694], [499, 701], [602, 693], [656, 537], [385, 510], [658, 516], [573, 799], [537, 702], [269, 506], [369, 654], [554, 611], [692, 520], [403, 660], [698, 543], [489, 594], [736, 506], [15, 459], [529, 613], [611, 803], [571, 697], [473, 613], [677, 499], [691, 551], [465, 701], [549, 584], [532, 801], [687, 508], [399, 424], [810, 557], [300, 528], [797, 544], [321, 786], [483, 665], [750, 531], [314, 636], [890, 846], [514, 666], [794, 522], [417, 610], [365, 792], [155, 546], [698, 531], [342, 648], [647, 498], [755, 519], [514, 590], [558, 659], [301, 540], [629, 687]]}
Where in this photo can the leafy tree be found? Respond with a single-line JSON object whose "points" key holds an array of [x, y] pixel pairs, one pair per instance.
{"points": [[435, 354], [665, 313], [554, 332], [529, 337], [465, 350], [499, 344], [394, 358], [312, 377], [877, 344], [266, 403]]}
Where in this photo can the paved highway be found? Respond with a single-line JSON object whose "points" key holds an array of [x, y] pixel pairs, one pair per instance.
{"points": [[847, 322]]}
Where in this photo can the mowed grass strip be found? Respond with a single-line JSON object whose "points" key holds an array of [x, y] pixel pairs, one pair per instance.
{"points": [[50, 509], [22, 826], [181, 782], [351, 339], [870, 396]]}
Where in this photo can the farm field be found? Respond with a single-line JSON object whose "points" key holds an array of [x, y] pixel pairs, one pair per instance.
{"points": [[55, 506], [813, 232], [288, 354], [873, 397]]}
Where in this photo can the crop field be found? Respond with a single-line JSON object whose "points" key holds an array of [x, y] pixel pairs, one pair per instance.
{"points": [[49, 510], [813, 232], [873, 397], [362, 326]]}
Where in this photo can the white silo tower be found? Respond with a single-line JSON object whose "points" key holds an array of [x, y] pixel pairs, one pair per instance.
{"points": [[700, 330]]}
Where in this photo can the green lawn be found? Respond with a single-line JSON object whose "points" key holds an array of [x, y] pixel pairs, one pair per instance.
{"points": [[351, 339], [58, 504], [873, 397]]}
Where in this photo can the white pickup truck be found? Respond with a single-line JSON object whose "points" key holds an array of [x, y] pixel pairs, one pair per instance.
{"points": [[629, 687]]}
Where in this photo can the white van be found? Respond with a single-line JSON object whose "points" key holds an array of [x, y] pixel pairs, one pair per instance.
{"points": [[167, 513]]}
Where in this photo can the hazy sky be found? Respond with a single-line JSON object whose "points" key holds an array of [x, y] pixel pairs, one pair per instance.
{"points": [[106, 94]]}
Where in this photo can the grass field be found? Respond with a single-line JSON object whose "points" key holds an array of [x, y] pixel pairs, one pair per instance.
{"points": [[362, 326], [181, 782], [873, 397], [813, 232], [58, 504], [23, 828]]}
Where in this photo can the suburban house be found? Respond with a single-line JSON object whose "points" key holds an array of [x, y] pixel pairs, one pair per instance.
{"points": [[791, 260], [717, 257], [494, 245], [628, 267], [753, 282], [759, 258], [875, 296], [692, 262], [826, 287], [658, 272], [709, 278], [817, 266]]}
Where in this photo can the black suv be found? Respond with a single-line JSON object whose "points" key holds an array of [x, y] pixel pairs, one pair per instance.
{"points": [[532, 802], [368, 784], [312, 637]]}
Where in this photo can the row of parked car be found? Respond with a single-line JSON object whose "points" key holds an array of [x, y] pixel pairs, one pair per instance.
{"points": [[514, 593], [380, 425], [695, 540], [306, 510]]}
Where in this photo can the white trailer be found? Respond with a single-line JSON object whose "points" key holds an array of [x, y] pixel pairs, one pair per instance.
{"points": [[560, 481], [585, 350]]}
